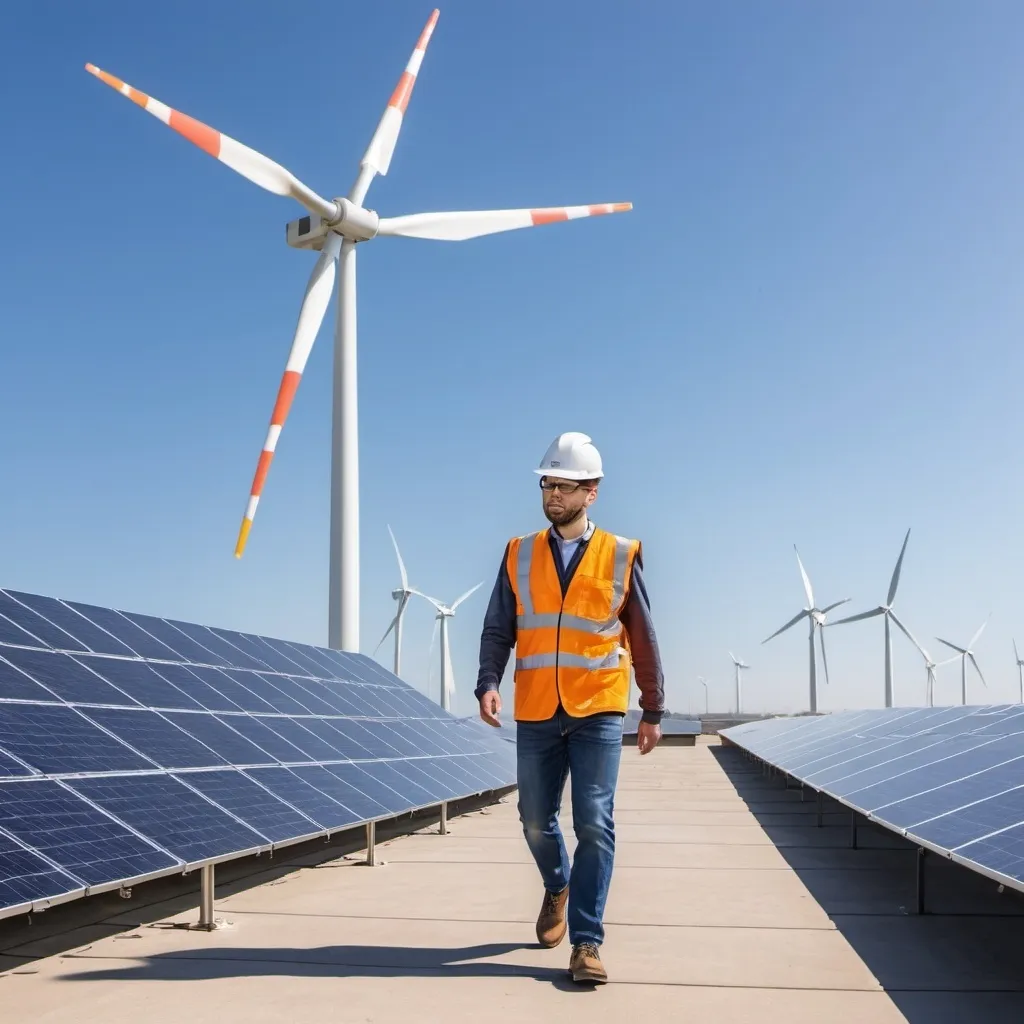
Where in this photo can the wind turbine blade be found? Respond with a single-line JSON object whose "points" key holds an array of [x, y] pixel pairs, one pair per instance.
{"points": [[906, 632], [387, 632], [382, 146], [834, 605], [807, 583], [792, 622], [974, 662], [824, 656], [430, 652], [426, 597], [311, 315], [959, 650], [895, 581], [472, 590], [976, 635], [401, 564], [259, 169], [856, 618], [1015, 654], [458, 226]]}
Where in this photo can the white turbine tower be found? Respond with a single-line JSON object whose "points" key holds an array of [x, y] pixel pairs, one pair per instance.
{"points": [[703, 682], [1020, 670], [885, 610], [965, 653], [816, 621], [444, 613], [740, 664], [334, 227], [401, 595]]}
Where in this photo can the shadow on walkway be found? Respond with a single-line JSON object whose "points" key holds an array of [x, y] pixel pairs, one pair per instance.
{"points": [[957, 963], [327, 962]]}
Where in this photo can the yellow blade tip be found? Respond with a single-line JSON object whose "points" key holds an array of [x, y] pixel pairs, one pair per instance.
{"points": [[243, 536]]}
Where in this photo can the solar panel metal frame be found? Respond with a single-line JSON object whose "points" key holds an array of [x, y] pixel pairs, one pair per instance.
{"points": [[793, 733], [377, 696]]}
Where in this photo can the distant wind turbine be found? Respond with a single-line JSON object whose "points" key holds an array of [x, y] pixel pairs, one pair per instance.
{"points": [[965, 653], [886, 611], [816, 621], [703, 682], [930, 665], [444, 613], [740, 664], [401, 595], [1020, 670]]}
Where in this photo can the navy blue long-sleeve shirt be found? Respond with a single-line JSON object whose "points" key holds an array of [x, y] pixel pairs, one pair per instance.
{"points": [[498, 637]]}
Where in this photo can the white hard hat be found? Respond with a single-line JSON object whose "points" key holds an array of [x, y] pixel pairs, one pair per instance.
{"points": [[572, 456]]}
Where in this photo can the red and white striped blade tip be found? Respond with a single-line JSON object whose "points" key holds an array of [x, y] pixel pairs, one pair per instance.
{"points": [[382, 146], [459, 225], [254, 166]]}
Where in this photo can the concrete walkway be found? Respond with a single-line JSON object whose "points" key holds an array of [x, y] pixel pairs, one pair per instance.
{"points": [[707, 917]]}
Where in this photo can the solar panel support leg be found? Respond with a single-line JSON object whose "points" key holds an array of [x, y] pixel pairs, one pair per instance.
{"points": [[921, 854], [444, 818], [853, 830], [371, 844], [206, 918], [821, 820]]}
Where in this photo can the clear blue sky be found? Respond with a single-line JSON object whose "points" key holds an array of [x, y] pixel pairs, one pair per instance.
{"points": [[808, 330]]}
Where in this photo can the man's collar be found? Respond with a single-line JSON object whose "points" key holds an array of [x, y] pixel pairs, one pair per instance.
{"points": [[586, 535]]}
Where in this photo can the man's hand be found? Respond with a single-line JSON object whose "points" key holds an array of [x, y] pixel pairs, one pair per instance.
{"points": [[490, 708], [647, 736]]}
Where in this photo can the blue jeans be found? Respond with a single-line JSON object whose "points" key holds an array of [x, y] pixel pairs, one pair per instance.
{"points": [[588, 751]]}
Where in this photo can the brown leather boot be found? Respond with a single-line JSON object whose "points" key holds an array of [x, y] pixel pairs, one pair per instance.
{"points": [[551, 920], [585, 964]]}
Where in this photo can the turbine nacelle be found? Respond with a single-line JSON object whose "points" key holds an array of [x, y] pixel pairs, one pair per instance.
{"points": [[352, 222]]}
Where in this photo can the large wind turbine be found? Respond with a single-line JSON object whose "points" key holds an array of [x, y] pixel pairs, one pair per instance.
{"points": [[740, 664], [401, 595], [334, 227], [886, 611], [444, 613], [1020, 670], [816, 621], [965, 653]]}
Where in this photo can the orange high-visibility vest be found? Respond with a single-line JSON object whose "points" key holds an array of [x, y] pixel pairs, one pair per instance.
{"points": [[572, 650]]}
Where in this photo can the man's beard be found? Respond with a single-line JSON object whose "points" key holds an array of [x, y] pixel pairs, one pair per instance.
{"points": [[563, 518]]}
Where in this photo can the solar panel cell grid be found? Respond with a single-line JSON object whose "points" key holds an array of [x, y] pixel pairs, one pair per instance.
{"points": [[37, 625], [25, 877], [66, 618], [170, 814], [80, 839], [253, 803]]}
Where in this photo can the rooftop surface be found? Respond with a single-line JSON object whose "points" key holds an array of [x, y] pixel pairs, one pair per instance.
{"points": [[727, 900]]}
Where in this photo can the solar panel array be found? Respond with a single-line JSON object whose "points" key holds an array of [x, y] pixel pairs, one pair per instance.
{"points": [[669, 726], [133, 746], [949, 779]]}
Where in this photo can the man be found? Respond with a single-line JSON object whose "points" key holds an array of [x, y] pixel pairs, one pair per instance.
{"points": [[571, 600]]}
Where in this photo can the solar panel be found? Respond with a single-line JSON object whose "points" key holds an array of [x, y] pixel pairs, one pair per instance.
{"points": [[669, 726], [949, 779], [133, 746]]}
